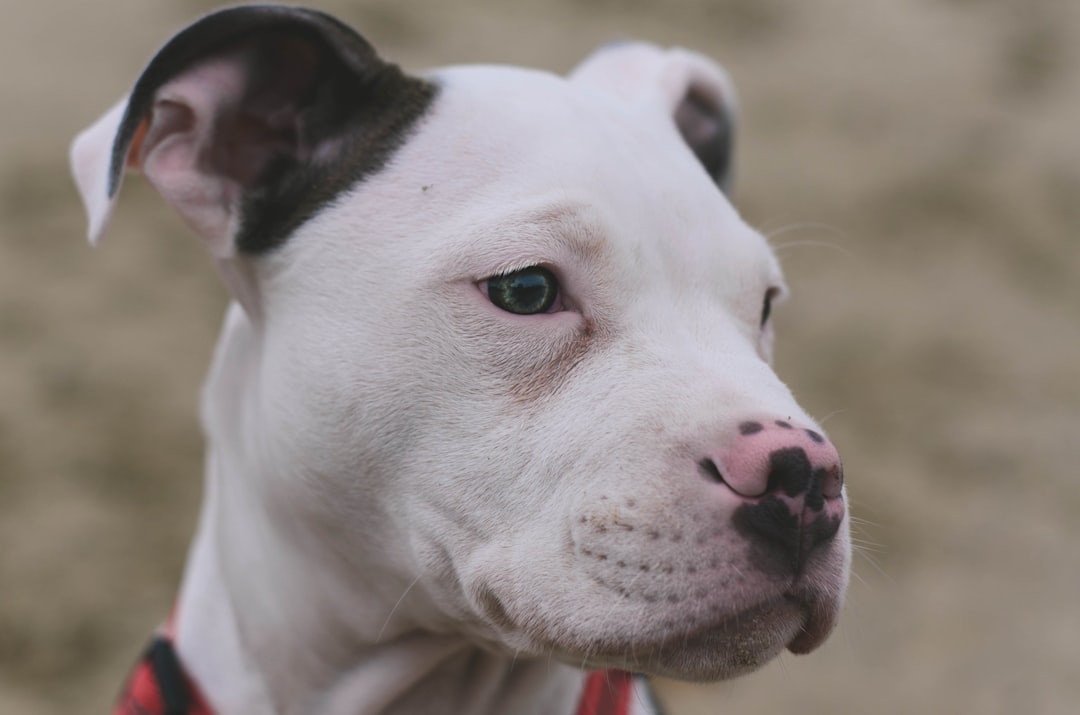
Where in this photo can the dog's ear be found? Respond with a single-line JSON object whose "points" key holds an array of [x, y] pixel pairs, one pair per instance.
{"points": [[695, 91], [247, 122]]}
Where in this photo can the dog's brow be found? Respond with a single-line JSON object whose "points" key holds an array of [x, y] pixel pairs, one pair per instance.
{"points": [[542, 235], [574, 228]]}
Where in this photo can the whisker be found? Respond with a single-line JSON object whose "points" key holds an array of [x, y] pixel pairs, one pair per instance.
{"points": [[392, 610], [871, 547], [780, 248], [858, 577], [868, 558], [832, 414]]}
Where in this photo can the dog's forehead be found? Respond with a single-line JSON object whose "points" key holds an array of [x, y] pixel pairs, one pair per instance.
{"points": [[508, 143], [503, 119]]}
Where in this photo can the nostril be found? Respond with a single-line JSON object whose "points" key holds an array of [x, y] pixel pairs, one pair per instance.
{"points": [[711, 470], [734, 481], [775, 456]]}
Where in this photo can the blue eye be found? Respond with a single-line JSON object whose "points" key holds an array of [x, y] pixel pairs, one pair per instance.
{"points": [[526, 292]]}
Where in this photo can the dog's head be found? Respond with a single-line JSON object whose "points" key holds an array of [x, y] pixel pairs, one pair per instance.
{"points": [[504, 339]]}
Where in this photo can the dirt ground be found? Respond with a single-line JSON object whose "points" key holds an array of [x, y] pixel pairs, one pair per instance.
{"points": [[918, 166]]}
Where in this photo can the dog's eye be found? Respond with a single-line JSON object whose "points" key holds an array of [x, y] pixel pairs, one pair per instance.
{"points": [[526, 292], [766, 309]]}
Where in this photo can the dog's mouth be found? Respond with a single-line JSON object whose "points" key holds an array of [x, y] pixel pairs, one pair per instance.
{"points": [[724, 647]]}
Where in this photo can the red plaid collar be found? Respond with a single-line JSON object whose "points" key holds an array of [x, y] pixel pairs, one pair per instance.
{"points": [[160, 686], [607, 692]]}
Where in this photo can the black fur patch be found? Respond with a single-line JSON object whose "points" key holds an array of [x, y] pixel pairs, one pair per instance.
{"points": [[377, 120], [365, 105]]}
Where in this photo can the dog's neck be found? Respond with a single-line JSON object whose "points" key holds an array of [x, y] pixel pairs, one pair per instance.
{"points": [[270, 621], [258, 640]]}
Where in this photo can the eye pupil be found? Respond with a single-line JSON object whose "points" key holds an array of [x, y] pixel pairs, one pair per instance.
{"points": [[525, 292]]}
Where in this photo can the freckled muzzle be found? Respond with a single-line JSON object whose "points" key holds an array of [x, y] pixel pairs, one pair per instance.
{"points": [[721, 572]]}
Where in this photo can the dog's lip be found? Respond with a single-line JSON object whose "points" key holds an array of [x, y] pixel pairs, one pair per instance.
{"points": [[739, 641], [818, 623], [766, 619], [772, 617]]}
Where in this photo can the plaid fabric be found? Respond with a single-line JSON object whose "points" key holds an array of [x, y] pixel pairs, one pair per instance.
{"points": [[159, 686], [607, 692]]}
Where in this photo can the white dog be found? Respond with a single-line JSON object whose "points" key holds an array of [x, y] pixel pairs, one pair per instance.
{"points": [[492, 408]]}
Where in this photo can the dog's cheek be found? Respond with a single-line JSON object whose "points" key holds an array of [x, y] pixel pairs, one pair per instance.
{"points": [[520, 358]]}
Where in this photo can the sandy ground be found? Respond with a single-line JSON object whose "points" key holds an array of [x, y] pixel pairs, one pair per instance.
{"points": [[919, 168]]}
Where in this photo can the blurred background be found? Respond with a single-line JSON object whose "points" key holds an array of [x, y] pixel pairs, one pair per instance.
{"points": [[917, 165]]}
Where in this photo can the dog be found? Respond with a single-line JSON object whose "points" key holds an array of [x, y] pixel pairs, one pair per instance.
{"points": [[491, 423]]}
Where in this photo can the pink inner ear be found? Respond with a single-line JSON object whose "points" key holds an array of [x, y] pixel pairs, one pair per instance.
{"points": [[168, 119], [175, 155], [246, 143], [214, 131], [265, 122]]}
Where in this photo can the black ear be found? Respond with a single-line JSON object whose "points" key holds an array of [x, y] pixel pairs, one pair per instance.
{"points": [[692, 88], [249, 121]]}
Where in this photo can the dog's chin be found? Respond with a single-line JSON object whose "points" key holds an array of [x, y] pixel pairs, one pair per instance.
{"points": [[734, 645]]}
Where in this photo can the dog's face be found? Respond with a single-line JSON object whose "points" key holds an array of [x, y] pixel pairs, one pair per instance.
{"points": [[525, 348]]}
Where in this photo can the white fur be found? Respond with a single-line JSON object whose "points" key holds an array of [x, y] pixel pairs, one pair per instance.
{"points": [[403, 481]]}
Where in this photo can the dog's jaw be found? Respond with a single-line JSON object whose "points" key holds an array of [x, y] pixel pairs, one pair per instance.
{"points": [[667, 589]]}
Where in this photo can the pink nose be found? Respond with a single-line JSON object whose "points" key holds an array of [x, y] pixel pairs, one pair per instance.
{"points": [[773, 457], [790, 481]]}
